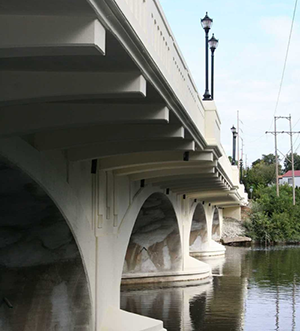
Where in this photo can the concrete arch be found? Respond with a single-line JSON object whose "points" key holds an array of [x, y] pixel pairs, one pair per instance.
{"points": [[199, 236], [155, 243], [48, 171], [42, 275], [190, 268], [204, 246]]}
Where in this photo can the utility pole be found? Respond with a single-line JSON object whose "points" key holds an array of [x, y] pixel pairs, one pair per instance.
{"points": [[293, 166], [242, 160], [275, 132], [238, 140], [276, 156]]}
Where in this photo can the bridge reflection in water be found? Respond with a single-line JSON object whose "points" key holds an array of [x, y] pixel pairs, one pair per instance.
{"points": [[253, 289]]}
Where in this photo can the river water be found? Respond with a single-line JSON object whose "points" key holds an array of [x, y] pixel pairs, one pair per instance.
{"points": [[252, 289]]}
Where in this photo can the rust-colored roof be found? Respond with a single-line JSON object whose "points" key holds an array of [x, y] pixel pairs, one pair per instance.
{"points": [[289, 173]]}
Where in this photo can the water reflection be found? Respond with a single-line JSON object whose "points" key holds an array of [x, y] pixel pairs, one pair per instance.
{"points": [[170, 305], [253, 289]]}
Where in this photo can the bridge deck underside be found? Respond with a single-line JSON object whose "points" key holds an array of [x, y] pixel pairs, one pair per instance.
{"points": [[83, 94]]}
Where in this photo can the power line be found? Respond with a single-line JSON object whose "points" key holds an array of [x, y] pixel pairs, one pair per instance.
{"points": [[285, 61], [286, 57], [252, 141], [296, 122]]}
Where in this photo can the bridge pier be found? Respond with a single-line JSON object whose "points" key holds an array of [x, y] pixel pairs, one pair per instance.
{"points": [[206, 222], [101, 210]]}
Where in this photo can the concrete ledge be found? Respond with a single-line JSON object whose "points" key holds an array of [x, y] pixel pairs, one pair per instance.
{"points": [[208, 254], [235, 240], [165, 285], [120, 320], [212, 250], [167, 277]]}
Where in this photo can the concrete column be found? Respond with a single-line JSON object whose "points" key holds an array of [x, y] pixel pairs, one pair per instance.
{"points": [[212, 248], [221, 219], [233, 212], [209, 214]]}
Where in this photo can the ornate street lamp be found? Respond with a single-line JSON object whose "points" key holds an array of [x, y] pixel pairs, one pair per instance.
{"points": [[206, 23], [241, 171], [234, 135], [213, 44]]}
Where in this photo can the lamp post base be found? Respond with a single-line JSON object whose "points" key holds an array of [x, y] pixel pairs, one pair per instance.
{"points": [[206, 96]]}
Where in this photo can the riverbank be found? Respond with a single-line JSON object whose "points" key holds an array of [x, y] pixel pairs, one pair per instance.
{"points": [[234, 232]]}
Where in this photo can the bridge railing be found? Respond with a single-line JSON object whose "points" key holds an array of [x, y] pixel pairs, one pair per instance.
{"points": [[147, 19]]}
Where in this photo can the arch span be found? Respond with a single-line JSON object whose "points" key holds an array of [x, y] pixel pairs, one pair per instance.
{"points": [[43, 281], [155, 246]]}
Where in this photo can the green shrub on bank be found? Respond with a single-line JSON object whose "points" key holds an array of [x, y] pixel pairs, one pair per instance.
{"points": [[274, 219]]}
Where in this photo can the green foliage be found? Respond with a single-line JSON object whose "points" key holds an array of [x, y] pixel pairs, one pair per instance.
{"points": [[287, 162], [260, 175], [274, 219], [269, 158], [266, 159]]}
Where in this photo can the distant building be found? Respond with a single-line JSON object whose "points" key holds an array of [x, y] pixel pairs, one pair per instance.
{"points": [[288, 179]]}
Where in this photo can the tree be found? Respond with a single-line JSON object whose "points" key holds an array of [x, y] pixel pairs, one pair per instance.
{"points": [[266, 159], [288, 165], [269, 158], [273, 218], [259, 175], [256, 162]]}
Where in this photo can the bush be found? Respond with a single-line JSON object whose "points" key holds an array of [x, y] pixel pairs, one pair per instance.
{"points": [[274, 219]]}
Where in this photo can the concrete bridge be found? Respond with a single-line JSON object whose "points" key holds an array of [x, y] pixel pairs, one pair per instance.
{"points": [[111, 166]]}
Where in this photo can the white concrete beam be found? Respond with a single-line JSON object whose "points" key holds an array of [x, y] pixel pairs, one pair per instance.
{"points": [[170, 172], [64, 139], [228, 197], [227, 204], [26, 119], [50, 35], [125, 161], [19, 87], [172, 179], [201, 188], [211, 194], [165, 166], [190, 182], [115, 148]]}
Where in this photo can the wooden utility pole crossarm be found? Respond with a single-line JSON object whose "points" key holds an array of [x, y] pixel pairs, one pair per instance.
{"points": [[290, 132]]}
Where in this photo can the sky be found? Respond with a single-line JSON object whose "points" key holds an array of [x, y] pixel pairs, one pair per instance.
{"points": [[253, 38]]}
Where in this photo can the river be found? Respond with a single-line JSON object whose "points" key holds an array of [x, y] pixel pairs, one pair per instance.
{"points": [[251, 289]]}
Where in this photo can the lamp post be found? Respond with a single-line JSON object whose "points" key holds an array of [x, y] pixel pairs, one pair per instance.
{"points": [[234, 135], [213, 44], [251, 190], [206, 23], [241, 171]]}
